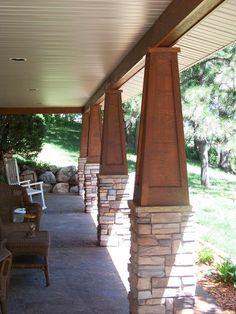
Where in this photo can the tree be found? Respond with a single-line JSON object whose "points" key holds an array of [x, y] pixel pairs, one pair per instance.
{"points": [[132, 110], [201, 124], [22, 134], [209, 105]]}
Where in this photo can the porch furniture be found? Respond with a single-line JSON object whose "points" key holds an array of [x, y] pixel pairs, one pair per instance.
{"points": [[12, 197], [30, 252], [14, 178], [5, 267]]}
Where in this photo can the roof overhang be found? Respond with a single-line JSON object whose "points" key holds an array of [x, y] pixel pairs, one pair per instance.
{"points": [[73, 71]]}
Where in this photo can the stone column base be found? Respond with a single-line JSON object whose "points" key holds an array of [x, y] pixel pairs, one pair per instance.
{"points": [[113, 210], [81, 170], [91, 171], [161, 272]]}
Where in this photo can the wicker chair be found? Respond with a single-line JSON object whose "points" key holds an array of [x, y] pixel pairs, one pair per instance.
{"points": [[12, 197], [5, 267]]}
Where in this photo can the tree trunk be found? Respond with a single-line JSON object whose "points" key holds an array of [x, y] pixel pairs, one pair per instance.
{"points": [[225, 161], [203, 154]]}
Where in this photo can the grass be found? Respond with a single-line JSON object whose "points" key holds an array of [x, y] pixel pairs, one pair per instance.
{"points": [[61, 147], [215, 206]]}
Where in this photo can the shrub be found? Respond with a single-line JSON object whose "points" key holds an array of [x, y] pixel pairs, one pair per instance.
{"points": [[206, 256], [226, 272]]}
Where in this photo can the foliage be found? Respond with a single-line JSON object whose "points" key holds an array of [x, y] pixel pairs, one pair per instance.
{"points": [[209, 105], [2, 179], [34, 164], [206, 256], [132, 110], [22, 134], [226, 272], [60, 120]]}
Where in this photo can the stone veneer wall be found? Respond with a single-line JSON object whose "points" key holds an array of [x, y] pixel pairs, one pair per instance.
{"points": [[90, 173], [113, 210], [161, 272], [81, 176]]}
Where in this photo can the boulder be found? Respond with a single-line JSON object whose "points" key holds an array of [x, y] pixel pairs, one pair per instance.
{"points": [[47, 187], [53, 168], [29, 175], [48, 177], [64, 174], [74, 189], [74, 179], [61, 188]]}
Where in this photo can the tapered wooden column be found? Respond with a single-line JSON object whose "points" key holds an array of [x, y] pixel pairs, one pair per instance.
{"points": [[113, 156], [162, 237], [92, 165], [113, 189], [83, 151]]}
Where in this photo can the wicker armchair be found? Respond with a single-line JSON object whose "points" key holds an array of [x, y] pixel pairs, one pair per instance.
{"points": [[5, 268], [12, 197]]}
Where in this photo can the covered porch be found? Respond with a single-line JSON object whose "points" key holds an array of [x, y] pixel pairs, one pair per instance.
{"points": [[84, 278], [77, 57]]}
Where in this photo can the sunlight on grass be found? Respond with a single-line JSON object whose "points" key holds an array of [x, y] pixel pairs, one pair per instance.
{"points": [[54, 155], [215, 208]]}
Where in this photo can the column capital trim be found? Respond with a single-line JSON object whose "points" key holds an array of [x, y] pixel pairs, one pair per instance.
{"points": [[160, 209]]}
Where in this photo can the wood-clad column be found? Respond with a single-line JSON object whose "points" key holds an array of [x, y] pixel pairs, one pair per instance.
{"points": [[162, 237], [113, 190], [83, 152], [93, 158]]}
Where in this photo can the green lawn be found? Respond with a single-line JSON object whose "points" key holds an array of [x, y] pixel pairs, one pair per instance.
{"points": [[215, 208]]}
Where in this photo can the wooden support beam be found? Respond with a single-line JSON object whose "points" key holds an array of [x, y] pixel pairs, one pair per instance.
{"points": [[43, 110], [179, 17], [113, 157], [84, 135], [161, 174], [94, 135]]}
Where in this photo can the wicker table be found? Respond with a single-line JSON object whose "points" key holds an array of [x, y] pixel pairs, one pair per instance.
{"points": [[30, 252]]}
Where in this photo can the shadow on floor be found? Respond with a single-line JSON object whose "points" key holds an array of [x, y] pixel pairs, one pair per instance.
{"points": [[83, 276]]}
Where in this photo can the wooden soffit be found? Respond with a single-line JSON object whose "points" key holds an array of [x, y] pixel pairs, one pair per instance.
{"points": [[179, 17]]}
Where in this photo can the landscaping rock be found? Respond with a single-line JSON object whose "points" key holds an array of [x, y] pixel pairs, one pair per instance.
{"points": [[29, 175], [74, 189], [53, 168], [61, 188], [64, 174], [47, 188], [74, 180], [48, 177]]}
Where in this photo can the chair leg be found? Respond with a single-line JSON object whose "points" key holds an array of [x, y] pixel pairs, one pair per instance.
{"points": [[43, 201]]}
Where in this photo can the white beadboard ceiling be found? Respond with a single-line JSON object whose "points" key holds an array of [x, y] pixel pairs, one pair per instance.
{"points": [[72, 45], [214, 32]]}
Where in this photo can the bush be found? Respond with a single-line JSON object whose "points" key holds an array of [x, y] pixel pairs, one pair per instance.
{"points": [[206, 256], [32, 164], [226, 272], [212, 157], [191, 153]]}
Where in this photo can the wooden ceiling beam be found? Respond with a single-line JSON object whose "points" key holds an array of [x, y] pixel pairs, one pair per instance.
{"points": [[43, 110], [179, 17]]}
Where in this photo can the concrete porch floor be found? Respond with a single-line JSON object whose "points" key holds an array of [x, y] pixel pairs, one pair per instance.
{"points": [[84, 278]]}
